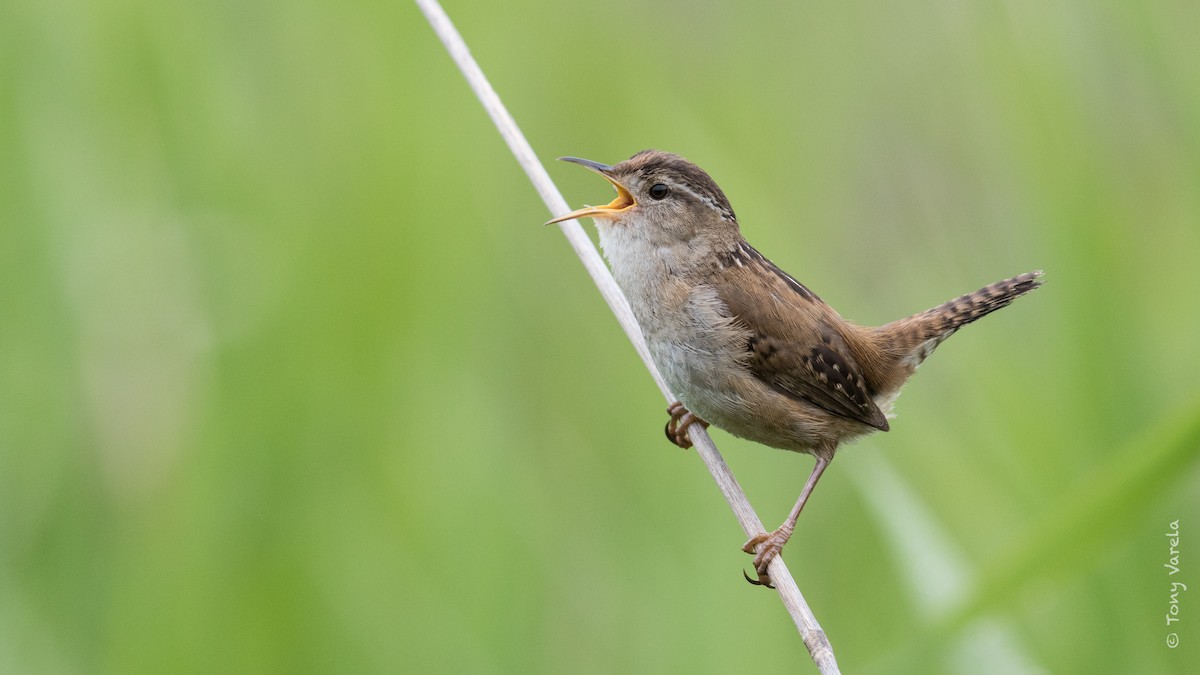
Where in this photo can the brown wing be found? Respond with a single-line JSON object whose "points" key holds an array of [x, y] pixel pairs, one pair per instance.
{"points": [[794, 345]]}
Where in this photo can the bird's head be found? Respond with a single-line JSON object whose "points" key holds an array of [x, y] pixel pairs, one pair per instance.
{"points": [[660, 193]]}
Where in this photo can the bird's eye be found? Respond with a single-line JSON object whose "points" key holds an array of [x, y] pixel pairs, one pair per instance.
{"points": [[659, 191]]}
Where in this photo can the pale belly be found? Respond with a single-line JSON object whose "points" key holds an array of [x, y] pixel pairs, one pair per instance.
{"points": [[703, 367]]}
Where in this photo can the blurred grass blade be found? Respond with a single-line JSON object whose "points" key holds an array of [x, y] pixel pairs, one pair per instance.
{"points": [[938, 574], [1095, 513]]}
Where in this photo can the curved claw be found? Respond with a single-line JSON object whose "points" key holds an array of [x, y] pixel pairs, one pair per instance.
{"points": [[761, 581], [764, 547]]}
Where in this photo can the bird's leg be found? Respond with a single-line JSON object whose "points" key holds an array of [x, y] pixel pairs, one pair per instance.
{"points": [[769, 545], [677, 426]]}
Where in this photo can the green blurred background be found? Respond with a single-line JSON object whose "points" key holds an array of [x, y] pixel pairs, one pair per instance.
{"points": [[294, 380]]}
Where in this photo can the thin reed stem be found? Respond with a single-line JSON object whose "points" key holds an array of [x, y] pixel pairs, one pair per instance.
{"points": [[814, 638]]}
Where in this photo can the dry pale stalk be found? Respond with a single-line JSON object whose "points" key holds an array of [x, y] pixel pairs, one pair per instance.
{"points": [[814, 638]]}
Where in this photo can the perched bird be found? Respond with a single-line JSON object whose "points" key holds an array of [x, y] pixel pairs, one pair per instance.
{"points": [[742, 344]]}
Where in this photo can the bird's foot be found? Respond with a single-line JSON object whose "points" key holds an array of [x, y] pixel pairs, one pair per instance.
{"points": [[681, 419], [768, 546]]}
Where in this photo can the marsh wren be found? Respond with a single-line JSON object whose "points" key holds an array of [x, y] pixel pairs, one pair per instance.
{"points": [[742, 344]]}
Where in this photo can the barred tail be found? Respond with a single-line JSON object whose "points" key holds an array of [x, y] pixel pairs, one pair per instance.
{"points": [[914, 338]]}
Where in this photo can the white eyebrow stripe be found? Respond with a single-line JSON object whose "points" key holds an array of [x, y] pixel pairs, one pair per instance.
{"points": [[726, 214]]}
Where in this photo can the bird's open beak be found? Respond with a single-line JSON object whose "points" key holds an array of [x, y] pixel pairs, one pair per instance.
{"points": [[623, 201]]}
